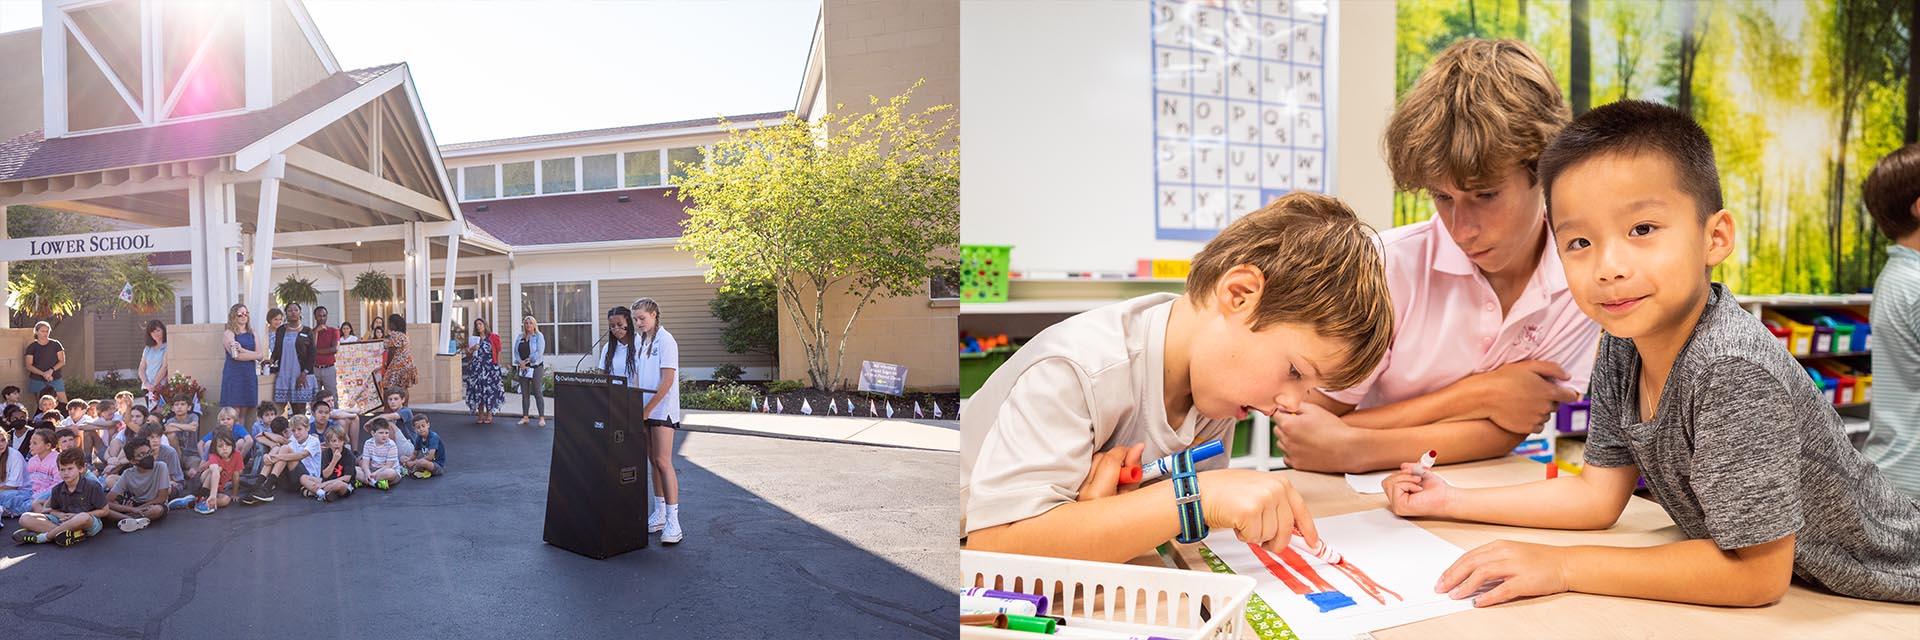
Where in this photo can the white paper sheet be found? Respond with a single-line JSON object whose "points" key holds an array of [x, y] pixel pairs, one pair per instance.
{"points": [[1370, 483], [1398, 556]]}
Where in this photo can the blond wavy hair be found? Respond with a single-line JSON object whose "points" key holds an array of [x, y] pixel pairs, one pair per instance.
{"points": [[1479, 109], [1322, 271]]}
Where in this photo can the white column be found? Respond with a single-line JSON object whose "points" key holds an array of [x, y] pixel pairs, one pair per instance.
{"points": [[259, 54], [446, 288], [53, 71], [264, 222], [6, 313], [197, 249], [513, 295]]}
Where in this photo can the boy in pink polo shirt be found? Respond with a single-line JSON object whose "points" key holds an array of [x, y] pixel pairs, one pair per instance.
{"points": [[1490, 340]]}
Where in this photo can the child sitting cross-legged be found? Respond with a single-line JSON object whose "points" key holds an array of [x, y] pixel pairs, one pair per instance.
{"points": [[380, 457], [338, 468], [72, 513]]}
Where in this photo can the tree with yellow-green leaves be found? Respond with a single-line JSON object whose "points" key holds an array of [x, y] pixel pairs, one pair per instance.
{"points": [[864, 203]]}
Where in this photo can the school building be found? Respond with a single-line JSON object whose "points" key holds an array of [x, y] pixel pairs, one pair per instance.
{"points": [[188, 128]]}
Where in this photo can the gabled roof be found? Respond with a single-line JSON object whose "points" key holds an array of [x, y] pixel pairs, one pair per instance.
{"points": [[29, 155], [598, 216], [609, 132]]}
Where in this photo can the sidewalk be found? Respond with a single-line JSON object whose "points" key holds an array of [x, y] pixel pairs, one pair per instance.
{"points": [[933, 435]]}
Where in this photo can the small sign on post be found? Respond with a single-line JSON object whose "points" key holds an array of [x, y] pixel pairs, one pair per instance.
{"points": [[882, 377]]}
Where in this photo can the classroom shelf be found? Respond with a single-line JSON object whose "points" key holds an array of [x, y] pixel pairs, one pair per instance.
{"points": [[1803, 300], [1042, 306], [1842, 354]]}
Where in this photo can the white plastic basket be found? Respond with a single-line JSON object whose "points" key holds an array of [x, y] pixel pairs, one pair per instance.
{"points": [[1101, 599]]}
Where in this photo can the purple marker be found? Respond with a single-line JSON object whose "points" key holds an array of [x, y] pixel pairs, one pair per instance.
{"points": [[1039, 602]]}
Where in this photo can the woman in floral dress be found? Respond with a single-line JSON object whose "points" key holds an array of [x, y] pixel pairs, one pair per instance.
{"points": [[481, 375], [398, 374]]}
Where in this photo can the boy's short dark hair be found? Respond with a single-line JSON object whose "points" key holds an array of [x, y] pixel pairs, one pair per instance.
{"points": [[220, 437], [52, 416], [65, 433], [72, 458], [378, 424], [135, 445], [150, 429], [76, 402], [421, 417], [266, 407], [1890, 191], [10, 390], [1634, 127], [279, 424], [395, 392]]}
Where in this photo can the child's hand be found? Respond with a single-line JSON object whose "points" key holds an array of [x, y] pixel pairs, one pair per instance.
{"points": [[1103, 480], [1413, 492], [1314, 438], [1260, 507], [1519, 396], [1519, 569]]}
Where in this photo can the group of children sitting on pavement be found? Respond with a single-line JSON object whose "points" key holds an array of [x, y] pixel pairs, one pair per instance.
{"points": [[56, 468]]}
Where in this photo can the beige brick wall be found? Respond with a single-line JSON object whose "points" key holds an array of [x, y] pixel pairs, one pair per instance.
{"points": [[907, 331], [683, 310], [880, 47]]}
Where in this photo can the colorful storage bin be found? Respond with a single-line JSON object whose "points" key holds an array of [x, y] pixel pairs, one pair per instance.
{"points": [[1571, 417], [1800, 334], [983, 272]]}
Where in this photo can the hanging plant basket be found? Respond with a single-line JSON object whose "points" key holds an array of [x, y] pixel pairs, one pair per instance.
{"points": [[296, 289], [151, 293], [373, 285]]}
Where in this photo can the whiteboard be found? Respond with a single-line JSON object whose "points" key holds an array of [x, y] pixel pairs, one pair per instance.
{"points": [[1059, 151]]}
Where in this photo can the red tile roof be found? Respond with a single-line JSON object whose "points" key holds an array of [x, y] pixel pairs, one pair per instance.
{"points": [[29, 155], [597, 216], [611, 131]]}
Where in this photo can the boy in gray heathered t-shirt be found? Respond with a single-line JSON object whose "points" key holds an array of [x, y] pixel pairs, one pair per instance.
{"points": [[1689, 391]]}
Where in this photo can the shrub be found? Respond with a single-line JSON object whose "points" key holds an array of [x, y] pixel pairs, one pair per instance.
{"points": [[719, 397], [778, 387], [728, 372], [511, 382]]}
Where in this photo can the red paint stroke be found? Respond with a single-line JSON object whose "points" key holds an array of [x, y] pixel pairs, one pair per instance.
{"points": [[1300, 564], [1273, 566], [1366, 583]]}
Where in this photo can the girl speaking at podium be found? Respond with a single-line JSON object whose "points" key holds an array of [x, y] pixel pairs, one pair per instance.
{"points": [[645, 353]]}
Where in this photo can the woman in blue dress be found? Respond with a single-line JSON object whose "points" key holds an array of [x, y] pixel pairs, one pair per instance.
{"points": [[239, 382], [293, 380], [480, 374]]}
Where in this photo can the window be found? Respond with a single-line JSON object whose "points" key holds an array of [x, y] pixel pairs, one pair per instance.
{"points": [[643, 168], [676, 158], [564, 312], [479, 182], [944, 287], [556, 175], [516, 179], [598, 172], [183, 314]]}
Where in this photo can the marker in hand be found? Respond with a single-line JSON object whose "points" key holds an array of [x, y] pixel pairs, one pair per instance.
{"points": [[1426, 461], [1164, 465]]}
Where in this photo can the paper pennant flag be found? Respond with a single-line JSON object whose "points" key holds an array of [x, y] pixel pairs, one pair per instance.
{"points": [[936, 409], [889, 409], [832, 409], [806, 407], [849, 406], [753, 404], [917, 413], [126, 293], [872, 408], [782, 407]]}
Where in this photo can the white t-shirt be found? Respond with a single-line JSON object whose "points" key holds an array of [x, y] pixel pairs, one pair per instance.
{"points": [[312, 447], [662, 352], [16, 469], [1091, 383]]}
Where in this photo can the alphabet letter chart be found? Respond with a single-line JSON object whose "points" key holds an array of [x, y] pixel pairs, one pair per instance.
{"points": [[1240, 103]]}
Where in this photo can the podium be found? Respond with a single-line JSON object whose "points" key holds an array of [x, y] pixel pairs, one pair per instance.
{"points": [[597, 495]]}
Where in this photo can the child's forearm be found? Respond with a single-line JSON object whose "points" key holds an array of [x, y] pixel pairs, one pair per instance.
{"points": [[1112, 529], [1592, 500], [1692, 571]]}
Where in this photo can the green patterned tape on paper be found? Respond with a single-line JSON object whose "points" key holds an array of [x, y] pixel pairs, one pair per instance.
{"points": [[1264, 621]]}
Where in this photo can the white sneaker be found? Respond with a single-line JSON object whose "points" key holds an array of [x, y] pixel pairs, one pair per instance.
{"points": [[658, 520], [131, 525], [672, 534]]}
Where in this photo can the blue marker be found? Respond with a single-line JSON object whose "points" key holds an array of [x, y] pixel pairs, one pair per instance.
{"points": [[1164, 465]]}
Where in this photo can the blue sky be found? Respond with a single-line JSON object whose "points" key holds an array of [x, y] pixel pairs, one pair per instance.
{"points": [[498, 69]]}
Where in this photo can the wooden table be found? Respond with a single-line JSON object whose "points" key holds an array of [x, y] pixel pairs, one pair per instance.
{"points": [[1805, 612]]}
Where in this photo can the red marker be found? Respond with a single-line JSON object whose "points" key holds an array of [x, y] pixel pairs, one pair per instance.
{"points": [[1426, 461]]}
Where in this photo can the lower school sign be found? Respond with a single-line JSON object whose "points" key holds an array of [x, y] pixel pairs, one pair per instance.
{"points": [[91, 245]]}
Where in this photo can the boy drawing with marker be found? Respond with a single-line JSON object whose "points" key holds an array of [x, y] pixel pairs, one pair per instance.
{"points": [[1690, 392], [1286, 299]]}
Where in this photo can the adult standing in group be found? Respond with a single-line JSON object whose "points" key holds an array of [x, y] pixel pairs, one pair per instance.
{"points": [[292, 362], [45, 358], [660, 364], [480, 373], [1500, 340], [346, 333], [153, 360], [530, 365], [326, 343], [397, 373], [377, 332], [239, 376]]}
